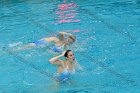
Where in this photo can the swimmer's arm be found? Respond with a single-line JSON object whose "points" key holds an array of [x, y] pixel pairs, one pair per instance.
{"points": [[51, 39], [68, 34], [55, 60]]}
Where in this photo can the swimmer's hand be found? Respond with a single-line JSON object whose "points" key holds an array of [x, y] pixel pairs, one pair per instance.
{"points": [[63, 33], [63, 53]]}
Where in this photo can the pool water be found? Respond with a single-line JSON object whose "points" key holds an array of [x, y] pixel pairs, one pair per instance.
{"points": [[107, 46]]}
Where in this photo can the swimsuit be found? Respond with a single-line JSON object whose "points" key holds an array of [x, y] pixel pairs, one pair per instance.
{"points": [[57, 48], [45, 43], [41, 42], [65, 75]]}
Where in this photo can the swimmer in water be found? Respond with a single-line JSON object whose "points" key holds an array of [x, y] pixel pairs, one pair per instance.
{"points": [[60, 43], [65, 67]]}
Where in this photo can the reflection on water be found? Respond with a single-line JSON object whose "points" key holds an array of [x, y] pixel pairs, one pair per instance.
{"points": [[66, 13]]}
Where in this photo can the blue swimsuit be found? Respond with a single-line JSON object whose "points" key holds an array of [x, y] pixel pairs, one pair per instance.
{"points": [[53, 48], [63, 76], [57, 48], [40, 42]]}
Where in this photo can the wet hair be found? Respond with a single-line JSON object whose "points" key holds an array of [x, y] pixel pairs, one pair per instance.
{"points": [[66, 53], [73, 38]]}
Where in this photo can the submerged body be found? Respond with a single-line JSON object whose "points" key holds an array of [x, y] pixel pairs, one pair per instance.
{"points": [[65, 71], [58, 47], [63, 76], [65, 67], [60, 43]]}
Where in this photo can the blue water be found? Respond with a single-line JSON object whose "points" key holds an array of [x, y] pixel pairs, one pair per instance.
{"points": [[107, 46]]}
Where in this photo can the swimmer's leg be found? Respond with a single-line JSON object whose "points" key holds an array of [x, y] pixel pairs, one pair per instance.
{"points": [[28, 46]]}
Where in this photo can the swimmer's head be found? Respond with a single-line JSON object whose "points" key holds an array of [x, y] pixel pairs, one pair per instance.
{"points": [[66, 53], [71, 40], [69, 55]]}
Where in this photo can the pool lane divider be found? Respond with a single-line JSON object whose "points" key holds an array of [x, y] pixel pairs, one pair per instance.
{"points": [[38, 24], [92, 59], [21, 59], [109, 25], [124, 78], [83, 10]]}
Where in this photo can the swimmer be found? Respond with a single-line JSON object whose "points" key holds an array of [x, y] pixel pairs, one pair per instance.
{"points": [[62, 42], [65, 67]]}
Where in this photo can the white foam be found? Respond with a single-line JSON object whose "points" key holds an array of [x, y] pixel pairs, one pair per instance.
{"points": [[15, 44]]}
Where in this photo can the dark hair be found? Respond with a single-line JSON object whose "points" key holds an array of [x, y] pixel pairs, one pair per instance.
{"points": [[73, 38], [66, 53]]}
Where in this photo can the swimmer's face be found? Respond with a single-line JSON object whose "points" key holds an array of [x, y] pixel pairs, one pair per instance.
{"points": [[70, 56]]}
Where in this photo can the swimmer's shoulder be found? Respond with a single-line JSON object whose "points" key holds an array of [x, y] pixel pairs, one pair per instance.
{"points": [[49, 39]]}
